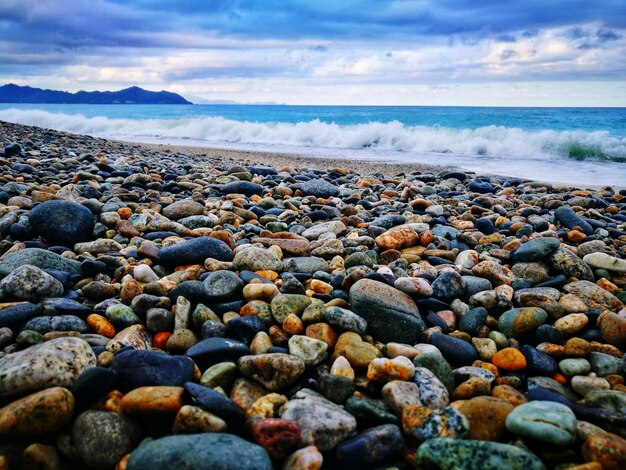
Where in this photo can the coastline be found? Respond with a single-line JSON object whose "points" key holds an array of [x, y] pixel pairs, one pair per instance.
{"points": [[362, 167], [300, 161]]}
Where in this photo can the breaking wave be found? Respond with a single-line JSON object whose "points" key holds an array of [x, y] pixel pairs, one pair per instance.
{"points": [[491, 141]]}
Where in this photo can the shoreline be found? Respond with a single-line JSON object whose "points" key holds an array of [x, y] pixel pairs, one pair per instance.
{"points": [[362, 167], [286, 159]]}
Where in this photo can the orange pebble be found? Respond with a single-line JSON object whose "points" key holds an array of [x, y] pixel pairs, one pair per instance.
{"points": [[560, 378], [160, 339], [509, 359], [267, 274], [124, 212], [576, 236], [293, 325], [101, 325]]}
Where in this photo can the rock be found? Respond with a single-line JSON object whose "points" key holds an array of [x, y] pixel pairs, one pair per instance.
{"points": [[432, 392], [305, 264], [518, 321], [424, 423], [144, 273], [448, 452], [537, 249], [307, 458], [607, 449], [211, 351], [30, 283], [216, 403], [613, 329], [42, 259], [275, 371], [284, 305], [510, 359], [334, 226], [383, 369], [195, 251], [391, 315], [538, 362], [277, 436], [257, 259], [400, 394], [577, 366], [545, 421], [435, 362], [567, 263], [310, 350], [319, 188], [102, 438], [570, 219], [593, 295], [40, 414], [322, 423], [604, 364], [61, 222], [371, 448], [160, 400], [604, 261], [55, 363], [449, 285], [15, 316], [487, 417], [140, 368], [345, 320], [222, 285], [184, 208], [193, 419], [207, 450], [454, 349], [398, 238], [242, 187], [471, 321]]}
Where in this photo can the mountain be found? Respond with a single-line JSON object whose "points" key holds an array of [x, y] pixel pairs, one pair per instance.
{"points": [[134, 95]]}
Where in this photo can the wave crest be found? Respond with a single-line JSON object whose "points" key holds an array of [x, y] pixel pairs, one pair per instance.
{"points": [[489, 141]]}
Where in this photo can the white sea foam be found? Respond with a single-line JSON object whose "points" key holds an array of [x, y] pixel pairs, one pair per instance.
{"points": [[546, 154]]}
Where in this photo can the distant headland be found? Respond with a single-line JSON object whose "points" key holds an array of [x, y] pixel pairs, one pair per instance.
{"points": [[12, 93]]}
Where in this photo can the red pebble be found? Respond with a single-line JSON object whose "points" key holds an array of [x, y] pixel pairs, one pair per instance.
{"points": [[277, 436], [160, 339]]}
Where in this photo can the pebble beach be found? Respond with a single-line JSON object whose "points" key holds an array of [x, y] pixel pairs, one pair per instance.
{"points": [[165, 307]]}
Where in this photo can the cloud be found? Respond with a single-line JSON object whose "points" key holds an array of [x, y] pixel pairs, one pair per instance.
{"points": [[199, 45]]}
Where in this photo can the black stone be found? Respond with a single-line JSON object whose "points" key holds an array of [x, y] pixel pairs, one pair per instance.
{"points": [[373, 447], [210, 351], [471, 321], [216, 403], [92, 384], [538, 362], [195, 251], [455, 350], [242, 187], [243, 329], [61, 222], [15, 316], [139, 368]]}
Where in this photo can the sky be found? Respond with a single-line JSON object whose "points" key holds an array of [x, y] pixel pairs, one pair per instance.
{"points": [[375, 52]]}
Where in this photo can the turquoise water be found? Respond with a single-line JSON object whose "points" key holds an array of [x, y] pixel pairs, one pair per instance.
{"points": [[570, 145]]}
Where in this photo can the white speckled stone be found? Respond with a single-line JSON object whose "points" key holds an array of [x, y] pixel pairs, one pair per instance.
{"points": [[55, 363]]}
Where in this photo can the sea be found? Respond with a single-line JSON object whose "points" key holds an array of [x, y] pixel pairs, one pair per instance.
{"points": [[580, 146]]}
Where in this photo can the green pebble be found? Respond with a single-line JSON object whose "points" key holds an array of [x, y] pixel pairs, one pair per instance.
{"points": [[122, 316], [220, 375], [544, 421], [460, 454]]}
